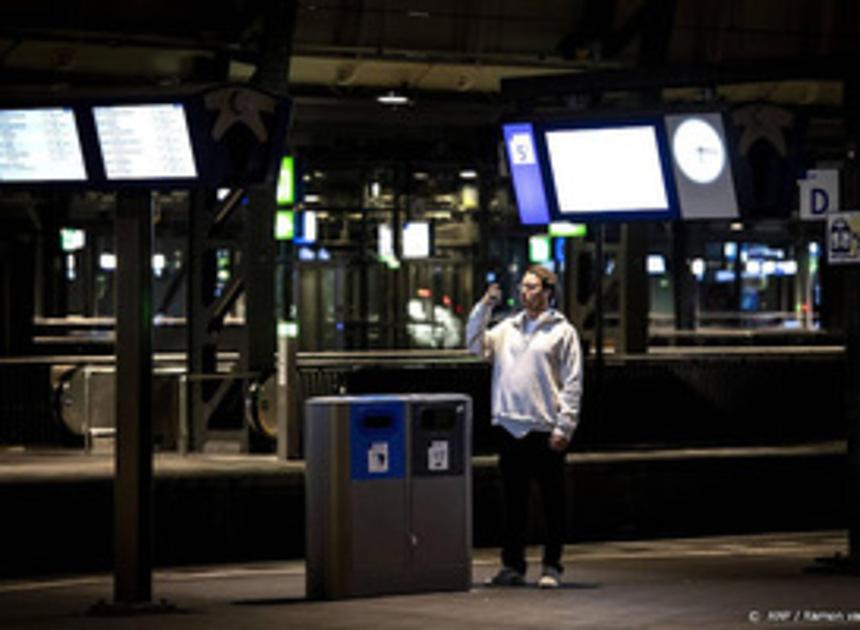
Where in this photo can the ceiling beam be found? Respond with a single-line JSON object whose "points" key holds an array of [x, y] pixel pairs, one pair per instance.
{"points": [[705, 76]]}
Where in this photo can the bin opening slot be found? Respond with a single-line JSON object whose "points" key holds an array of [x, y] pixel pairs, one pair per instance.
{"points": [[438, 419], [377, 421]]}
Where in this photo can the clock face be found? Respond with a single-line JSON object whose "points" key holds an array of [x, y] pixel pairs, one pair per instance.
{"points": [[699, 150]]}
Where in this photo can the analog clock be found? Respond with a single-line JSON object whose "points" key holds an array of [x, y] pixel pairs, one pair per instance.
{"points": [[699, 150]]}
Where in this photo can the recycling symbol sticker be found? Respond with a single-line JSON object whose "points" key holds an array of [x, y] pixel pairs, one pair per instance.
{"points": [[377, 458]]}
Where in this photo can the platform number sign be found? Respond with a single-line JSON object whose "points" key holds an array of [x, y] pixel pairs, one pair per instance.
{"points": [[522, 149]]}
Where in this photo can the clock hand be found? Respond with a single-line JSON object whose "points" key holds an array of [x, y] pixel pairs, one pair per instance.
{"points": [[703, 150]]}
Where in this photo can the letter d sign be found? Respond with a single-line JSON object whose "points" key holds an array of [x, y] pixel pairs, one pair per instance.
{"points": [[820, 200], [819, 194]]}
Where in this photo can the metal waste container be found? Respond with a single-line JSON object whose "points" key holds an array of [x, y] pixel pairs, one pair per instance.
{"points": [[388, 491]]}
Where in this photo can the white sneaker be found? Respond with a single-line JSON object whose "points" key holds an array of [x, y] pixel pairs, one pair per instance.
{"points": [[551, 578]]}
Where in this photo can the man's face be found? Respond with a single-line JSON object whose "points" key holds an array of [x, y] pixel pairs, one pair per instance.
{"points": [[533, 296]]}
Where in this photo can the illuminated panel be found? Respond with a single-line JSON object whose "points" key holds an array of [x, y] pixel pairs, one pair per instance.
{"points": [[141, 142], [286, 190], [416, 239], [40, 145], [702, 168], [611, 169], [539, 248], [526, 173]]}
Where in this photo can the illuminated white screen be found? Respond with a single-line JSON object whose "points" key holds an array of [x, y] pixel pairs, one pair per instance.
{"points": [[416, 240], [309, 226], [386, 241], [40, 145], [145, 142], [656, 264], [608, 169]]}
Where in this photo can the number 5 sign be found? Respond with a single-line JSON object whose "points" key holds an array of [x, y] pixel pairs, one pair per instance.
{"points": [[522, 150]]}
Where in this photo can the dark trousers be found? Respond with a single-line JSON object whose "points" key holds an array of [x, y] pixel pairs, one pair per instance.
{"points": [[520, 461]]}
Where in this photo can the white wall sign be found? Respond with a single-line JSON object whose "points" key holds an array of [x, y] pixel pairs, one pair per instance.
{"points": [[843, 238], [819, 194]]}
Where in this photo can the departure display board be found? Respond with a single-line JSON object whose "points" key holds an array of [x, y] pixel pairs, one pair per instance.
{"points": [[223, 136], [40, 145], [145, 142], [617, 168], [607, 169]]}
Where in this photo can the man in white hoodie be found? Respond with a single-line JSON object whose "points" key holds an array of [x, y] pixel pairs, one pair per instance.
{"points": [[537, 386]]}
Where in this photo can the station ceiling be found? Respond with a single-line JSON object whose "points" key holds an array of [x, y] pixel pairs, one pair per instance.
{"points": [[448, 56], [425, 44]]}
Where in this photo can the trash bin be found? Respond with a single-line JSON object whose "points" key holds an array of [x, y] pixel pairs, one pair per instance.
{"points": [[388, 494]]}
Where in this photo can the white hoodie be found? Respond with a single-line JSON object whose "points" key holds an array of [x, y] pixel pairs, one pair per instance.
{"points": [[537, 370]]}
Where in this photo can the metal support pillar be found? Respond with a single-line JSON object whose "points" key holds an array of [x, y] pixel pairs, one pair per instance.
{"points": [[683, 283], [852, 357], [599, 273], [845, 279], [209, 392], [569, 283], [87, 274], [851, 195], [17, 273], [580, 282], [202, 348], [288, 412], [633, 329], [259, 250], [133, 482], [258, 270], [50, 296], [483, 265], [398, 275]]}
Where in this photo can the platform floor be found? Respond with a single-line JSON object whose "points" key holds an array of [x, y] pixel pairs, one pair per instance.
{"points": [[217, 509], [19, 464], [717, 582]]}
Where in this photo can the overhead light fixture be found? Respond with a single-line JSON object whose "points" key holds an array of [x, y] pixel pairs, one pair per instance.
{"points": [[468, 174], [392, 98]]}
